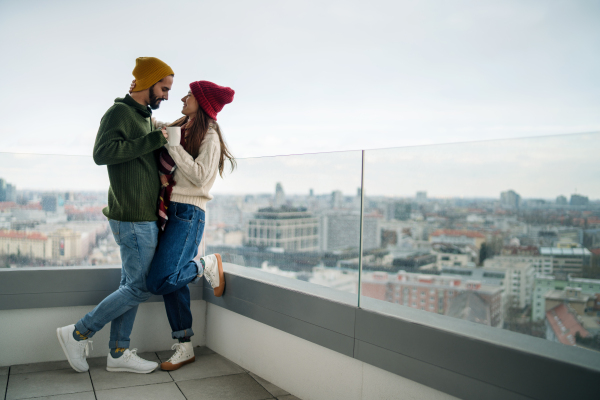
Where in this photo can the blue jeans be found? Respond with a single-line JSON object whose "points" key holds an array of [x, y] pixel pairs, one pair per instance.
{"points": [[137, 241], [173, 266]]}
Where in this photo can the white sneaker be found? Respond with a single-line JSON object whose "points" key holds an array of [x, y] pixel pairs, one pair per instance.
{"points": [[130, 362], [76, 351], [184, 354], [213, 272]]}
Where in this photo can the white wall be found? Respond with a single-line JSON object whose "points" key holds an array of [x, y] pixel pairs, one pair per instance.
{"points": [[29, 335], [305, 369]]}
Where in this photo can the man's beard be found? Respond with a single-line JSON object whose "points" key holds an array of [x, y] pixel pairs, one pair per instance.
{"points": [[154, 100]]}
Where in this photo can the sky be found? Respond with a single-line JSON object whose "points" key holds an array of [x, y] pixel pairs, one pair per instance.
{"points": [[309, 76]]}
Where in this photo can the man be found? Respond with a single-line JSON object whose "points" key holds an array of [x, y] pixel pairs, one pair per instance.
{"points": [[125, 143]]}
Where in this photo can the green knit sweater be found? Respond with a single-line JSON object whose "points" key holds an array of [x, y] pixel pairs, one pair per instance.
{"points": [[126, 144]]}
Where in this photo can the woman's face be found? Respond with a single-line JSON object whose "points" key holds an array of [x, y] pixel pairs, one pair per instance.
{"points": [[190, 105]]}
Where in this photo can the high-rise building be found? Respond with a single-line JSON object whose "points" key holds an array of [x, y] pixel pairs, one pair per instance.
{"points": [[567, 260], [279, 196], [510, 199], [340, 230], [337, 199], [421, 196], [518, 281], [286, 228], [8, 192], [579, 200], [561, 201]]}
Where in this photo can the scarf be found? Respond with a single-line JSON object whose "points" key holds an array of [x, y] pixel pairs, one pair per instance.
{"points": [[166, 170]]}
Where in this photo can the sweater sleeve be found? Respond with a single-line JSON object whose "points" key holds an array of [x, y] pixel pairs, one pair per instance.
{"points": [[114, 146], [203, 168]]}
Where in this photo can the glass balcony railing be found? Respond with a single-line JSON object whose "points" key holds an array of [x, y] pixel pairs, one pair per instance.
{"points": [[456, 230]]}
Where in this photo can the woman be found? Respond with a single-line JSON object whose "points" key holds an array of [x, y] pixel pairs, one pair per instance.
{"points": [[188, 171]]}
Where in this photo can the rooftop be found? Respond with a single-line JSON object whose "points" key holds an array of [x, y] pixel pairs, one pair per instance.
{"points": [[211, 376]]}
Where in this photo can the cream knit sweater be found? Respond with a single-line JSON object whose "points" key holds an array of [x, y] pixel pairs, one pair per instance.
{"points": [[195, 177]]}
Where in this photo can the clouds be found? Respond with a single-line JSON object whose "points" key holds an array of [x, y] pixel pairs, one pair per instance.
{"points": [[309, 76]]}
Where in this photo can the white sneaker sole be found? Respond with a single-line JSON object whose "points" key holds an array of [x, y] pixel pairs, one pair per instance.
{"points": [[135, 371], [64, 347]]}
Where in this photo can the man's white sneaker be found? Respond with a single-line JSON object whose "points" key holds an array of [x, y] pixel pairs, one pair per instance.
{"points": [[213, 272], [130, 362], [184, 354], [76, 351]]}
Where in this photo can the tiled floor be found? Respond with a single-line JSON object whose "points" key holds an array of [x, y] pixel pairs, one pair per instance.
{"points": [[210, 377]]}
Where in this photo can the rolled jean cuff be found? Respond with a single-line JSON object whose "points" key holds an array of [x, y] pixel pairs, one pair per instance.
{"points": [[118, 344], [182, 334], [200, 272], [79, 327]]}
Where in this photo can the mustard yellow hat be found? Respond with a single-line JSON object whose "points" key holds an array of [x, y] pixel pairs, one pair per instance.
{"points": [[148, 71]]}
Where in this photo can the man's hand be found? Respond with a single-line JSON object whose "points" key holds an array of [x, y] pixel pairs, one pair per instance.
{"points": [[164, 132], [132, 86]]}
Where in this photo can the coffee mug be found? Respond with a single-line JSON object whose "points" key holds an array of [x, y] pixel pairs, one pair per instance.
{"points": [[174, 133]]}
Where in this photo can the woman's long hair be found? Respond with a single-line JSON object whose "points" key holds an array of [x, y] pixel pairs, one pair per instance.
{"points": [[196, 130]]}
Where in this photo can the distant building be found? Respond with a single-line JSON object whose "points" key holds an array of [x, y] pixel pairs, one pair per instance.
{"points": [[286, 228], [541, 263], [341, 230], [279, 196], [434, 293], [337, 199], [562, 325], [27, 244], [50, 203], [580, 303], [579, 200], [567, 260], [458, 237], [547, 283], [518, 281], [451, 256], [510, 199], [421, 196], [8, 192], [561, 201]]}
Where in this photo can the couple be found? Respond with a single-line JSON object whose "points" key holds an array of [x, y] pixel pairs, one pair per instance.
{"points": [[145, 171]]}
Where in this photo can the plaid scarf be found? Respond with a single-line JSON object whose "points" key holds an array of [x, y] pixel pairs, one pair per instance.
{"points": [[166, 169]]}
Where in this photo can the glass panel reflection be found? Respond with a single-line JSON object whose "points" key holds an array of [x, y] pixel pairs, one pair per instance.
{"points": [[501, 233], [51, 212], [295, 216]]}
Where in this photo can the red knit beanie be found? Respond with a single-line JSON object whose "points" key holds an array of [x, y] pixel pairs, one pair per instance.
{"points": [[211, 97]]}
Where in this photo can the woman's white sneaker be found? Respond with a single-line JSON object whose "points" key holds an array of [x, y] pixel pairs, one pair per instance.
{"points": [[76, 351], [184, 354], [130, 362], [213, 272]]}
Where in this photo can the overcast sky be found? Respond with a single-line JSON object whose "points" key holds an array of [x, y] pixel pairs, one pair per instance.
{"points": [[309, 76]]}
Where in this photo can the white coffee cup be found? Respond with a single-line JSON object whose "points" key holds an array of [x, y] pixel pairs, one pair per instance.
{"points": [[174, 133]]}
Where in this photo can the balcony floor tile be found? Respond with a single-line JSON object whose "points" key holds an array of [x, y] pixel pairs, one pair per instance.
{"points": [[212, 376], [3, 382], [274, 390], [40, 367], [47, 383], [231, 387], [206, 367], [104, 380], [70, 396], [160, 391]]}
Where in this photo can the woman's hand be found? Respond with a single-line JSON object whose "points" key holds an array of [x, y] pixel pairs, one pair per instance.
{"points": [[132, 86], [164, 132]]}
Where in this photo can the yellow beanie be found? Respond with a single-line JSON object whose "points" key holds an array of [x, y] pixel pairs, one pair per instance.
{"points": [[148, 71]]}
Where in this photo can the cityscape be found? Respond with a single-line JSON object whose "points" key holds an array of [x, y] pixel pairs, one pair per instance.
{"points": [[527, 265]]}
